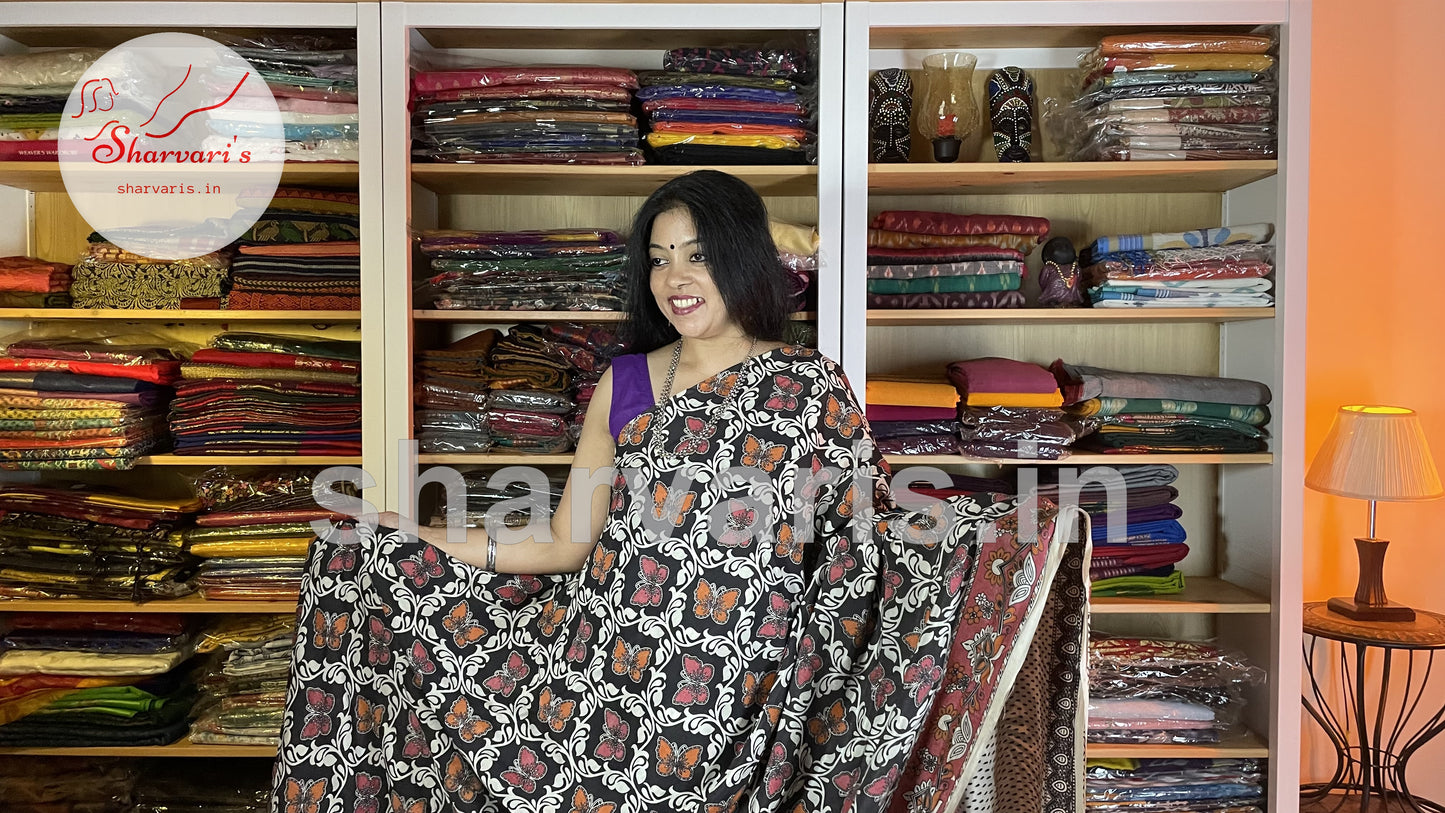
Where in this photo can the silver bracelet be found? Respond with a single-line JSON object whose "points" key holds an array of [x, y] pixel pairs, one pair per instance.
{"points": [[491, 553]]}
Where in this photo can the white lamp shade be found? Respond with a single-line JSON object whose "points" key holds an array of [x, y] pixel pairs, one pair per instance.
{"points": [[1375, 453]]}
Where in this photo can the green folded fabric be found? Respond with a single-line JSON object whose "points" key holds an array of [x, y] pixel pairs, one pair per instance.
{"points": [[1253, 415], [1138, 586], [967, 283]]}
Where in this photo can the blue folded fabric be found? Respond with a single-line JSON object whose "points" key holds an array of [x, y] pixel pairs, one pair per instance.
{"points": [[730, 117], [740, 94], [1168, 530]]}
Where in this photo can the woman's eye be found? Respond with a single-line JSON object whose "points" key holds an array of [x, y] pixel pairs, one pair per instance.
{"points": [[698, 257], [656, 261]]}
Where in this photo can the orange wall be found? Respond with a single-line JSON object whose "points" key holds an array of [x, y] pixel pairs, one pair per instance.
{"points": [[1376, 292]]}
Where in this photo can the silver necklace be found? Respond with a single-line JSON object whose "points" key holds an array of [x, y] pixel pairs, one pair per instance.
{"points": [[712, 420]]}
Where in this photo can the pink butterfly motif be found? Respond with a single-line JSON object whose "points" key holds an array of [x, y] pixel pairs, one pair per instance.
{"points": [[649, 592], [892, 580], [422, 567], [921, 677], [883, 687], [694, 437], [318, 714], [343, 561], [739, 525], [775, 625], [415, 743], [421, 664], [525, 771], [958, 569], [505, 680], [778, 771], [696, 675], [520, 588], [577, 651], [848, 784], [808, 660], [367, 788], [378, 639], [614, 733], [883, 785], [813, 483], [840, 563], [785, 394]]}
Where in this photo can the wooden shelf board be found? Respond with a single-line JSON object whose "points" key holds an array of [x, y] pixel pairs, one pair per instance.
{"points": [[510, 317], [1246, 745], [603, 39], [184, 748], [1066, 177], [247, 460], [1260, 458], [44, 176], [932, 38], [1200, 595], [180, 315], [1061, 316], [192, 604], [495, 459], [484, 179]]}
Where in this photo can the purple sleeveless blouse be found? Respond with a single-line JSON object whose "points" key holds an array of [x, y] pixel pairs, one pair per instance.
{"points": [[631, 390]]}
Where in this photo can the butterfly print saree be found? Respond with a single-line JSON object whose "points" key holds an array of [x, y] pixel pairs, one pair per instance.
{"points": [[723, 649]]}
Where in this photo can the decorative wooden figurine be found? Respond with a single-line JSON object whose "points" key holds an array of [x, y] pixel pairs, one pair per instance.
{"points": [[1011, 107], [890, 116], [1060, 285]]}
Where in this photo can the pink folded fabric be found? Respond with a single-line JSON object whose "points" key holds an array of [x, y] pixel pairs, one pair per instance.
{"points": [[889, 412], [992, 374], [429, 81], [945, 223]]}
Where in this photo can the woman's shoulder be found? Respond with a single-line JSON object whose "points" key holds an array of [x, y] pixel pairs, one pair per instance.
{"points": [[809, 363]]}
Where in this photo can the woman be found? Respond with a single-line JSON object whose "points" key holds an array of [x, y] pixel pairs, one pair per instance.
{"points": [[739, 632]]}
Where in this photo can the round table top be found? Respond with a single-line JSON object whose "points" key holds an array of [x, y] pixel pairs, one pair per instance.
{"points": [[1427, 631]]}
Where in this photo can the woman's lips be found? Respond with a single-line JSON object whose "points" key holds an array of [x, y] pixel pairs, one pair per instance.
{"points": [[683, 305]]}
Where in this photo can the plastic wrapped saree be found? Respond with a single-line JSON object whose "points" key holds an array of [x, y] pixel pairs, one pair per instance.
{"points": [[764, 643]]}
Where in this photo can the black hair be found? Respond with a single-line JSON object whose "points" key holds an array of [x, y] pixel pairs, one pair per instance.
{"points": [[732, 231]]}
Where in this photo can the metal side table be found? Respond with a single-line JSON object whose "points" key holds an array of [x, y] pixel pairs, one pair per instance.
{"points": [[1374, 739]]}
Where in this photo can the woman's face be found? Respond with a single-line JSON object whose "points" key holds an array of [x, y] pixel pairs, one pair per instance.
{"points": [[682, 281]]}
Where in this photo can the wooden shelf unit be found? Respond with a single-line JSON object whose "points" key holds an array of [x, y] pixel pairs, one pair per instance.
{"points": [[1201, 595], [192, 604], [569, 181], [44, 176], [1062, 316], [183, 748], [1101, 177], [247, 460], [129, 315]]}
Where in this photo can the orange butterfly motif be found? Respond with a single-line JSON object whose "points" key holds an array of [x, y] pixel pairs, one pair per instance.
{"points": [[730, 807], [369, 715], [630, 660], [679, 762], [722, 384], [464, 628], [756, 687], [857, 627], [671, 506], [468, 725], [713, 602], [789, 545], [582, 803], [460, 779], [329, 628], [552, 615], [399, 805], [756, 454], [843, 418], [602, 562], [304, 799], [828, 724], [631, 434], [554, 712]]}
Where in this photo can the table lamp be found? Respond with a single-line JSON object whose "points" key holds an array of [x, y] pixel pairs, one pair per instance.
{"points": [[1374, 453]]}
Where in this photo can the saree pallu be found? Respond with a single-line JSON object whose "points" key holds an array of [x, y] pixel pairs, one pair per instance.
{"points": [[977, 299], [672, 672]]}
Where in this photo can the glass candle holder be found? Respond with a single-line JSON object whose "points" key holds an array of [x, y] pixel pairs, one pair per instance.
{"points": [[949, 115]]}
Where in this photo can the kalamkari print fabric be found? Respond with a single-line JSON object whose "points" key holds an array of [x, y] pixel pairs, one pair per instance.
{"points": [[710, 656]]}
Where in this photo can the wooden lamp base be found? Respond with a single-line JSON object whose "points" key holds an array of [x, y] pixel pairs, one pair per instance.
{"points": [[1370, 602]]}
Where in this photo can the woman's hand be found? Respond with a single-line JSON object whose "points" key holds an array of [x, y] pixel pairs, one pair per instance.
{"points": [[389, 519]]}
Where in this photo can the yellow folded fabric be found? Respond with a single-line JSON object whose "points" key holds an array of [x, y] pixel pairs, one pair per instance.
{"points": [[769, 142], [1016, 399], [243, 548], [25, 662], [187, 503], [17, 707], [794, 239], [239, 630], [888, 392]]}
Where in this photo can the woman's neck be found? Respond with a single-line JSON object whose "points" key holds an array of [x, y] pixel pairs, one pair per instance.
{"points": [[714, 354]]}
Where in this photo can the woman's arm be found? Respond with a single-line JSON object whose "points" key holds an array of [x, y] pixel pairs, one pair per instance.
{"points": [[561, 548]]}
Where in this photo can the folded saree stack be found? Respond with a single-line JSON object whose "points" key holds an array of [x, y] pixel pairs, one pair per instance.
{"points": [[450, 395], [109, 276], [303, 253], [1125, 785], [1225, 267], [250, 393], [531, 374], [519, 502], [82, 541], [313, 80], [726, 106], [911, 416], [942, 260], [1165, 692], [1164, 97], [243, 698], [74, 404], [26, 282], [33, 91], [68, 784], [1011, 409], [106, 679], [798, 255], [525, 115], [554, 269], [1140, 413]]}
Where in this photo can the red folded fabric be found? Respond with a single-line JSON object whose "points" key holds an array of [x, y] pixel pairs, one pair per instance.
{"points": [[154, 623], [29, 150], [334, 248], [274, 361], [944, 223], [29, 275], [157, 372], [238, 518], [943, 254], [1000, 375], [891, 412], [600, 93]]}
